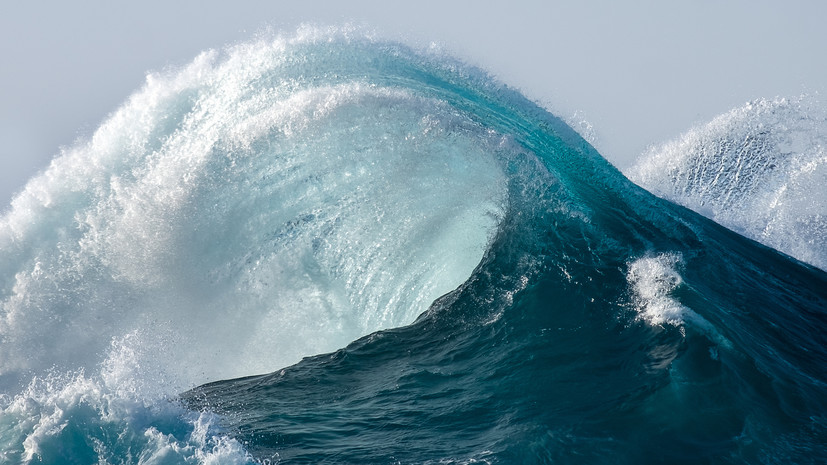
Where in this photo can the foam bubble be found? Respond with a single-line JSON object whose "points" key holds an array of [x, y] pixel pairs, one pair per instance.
{"points": [[653, 279]]}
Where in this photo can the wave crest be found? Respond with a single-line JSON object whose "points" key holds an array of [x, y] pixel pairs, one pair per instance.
{"points": [[250, 209]]}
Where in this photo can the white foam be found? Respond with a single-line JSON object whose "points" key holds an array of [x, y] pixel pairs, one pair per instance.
{"points": [[103, 418], [653, 279], [760, 170]]}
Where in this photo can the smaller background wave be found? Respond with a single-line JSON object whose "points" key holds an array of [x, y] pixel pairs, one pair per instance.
{"points": [[760, 170]]}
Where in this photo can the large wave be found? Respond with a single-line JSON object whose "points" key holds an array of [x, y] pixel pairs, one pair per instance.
{"points": [[760, 169], [232, 217], [497, 291]]}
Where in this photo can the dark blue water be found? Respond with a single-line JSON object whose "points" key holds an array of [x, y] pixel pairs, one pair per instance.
{"points": [[596, 322]]}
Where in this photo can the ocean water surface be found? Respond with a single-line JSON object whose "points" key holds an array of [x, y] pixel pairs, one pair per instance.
{"points": [[329, 248]]}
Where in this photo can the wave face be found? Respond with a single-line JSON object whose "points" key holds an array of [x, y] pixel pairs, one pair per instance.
{"points": [[760, 170], [502, 293]]}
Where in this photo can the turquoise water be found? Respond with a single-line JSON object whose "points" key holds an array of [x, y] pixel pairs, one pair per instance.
{"points": [[481, 285]]}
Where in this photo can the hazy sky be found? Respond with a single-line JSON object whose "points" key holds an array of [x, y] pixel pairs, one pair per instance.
{"points": [[639, 72]]}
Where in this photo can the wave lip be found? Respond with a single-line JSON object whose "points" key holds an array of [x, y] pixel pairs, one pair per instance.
{"points": [[760, 170], [251, 210]]}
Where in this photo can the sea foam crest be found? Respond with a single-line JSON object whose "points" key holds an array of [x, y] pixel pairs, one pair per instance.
{"points": [[257, 206], [760, 170]]}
